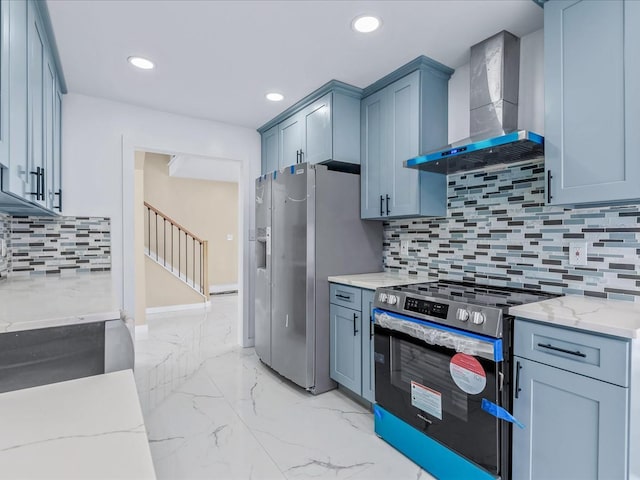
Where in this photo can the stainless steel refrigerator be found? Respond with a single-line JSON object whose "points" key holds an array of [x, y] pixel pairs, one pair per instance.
{"points": [[308, 227]]}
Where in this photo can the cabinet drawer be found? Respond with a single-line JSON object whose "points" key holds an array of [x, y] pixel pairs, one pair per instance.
{"points": [[595, 356], [349, 297]]}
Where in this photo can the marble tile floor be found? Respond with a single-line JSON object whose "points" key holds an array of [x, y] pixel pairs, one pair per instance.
{"points": [[218, 413]]}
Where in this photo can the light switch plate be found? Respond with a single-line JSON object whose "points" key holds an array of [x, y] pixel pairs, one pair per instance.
{"points": [[578, 253], [404, 247], [229, 236]]}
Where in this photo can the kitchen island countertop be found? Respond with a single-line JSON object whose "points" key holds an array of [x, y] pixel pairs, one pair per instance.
{"points": [[80, 429], [28, 303], [371, 281], [597, 315]]}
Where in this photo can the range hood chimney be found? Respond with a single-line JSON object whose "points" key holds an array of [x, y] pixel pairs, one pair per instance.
{"points": [[495, 138]]}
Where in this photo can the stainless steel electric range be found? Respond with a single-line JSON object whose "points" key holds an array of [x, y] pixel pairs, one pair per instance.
{"points": [[443, 375]]}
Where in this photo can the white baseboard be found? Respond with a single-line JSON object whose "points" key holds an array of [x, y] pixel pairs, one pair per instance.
{"points": [[141, 332], [223, 287], [177, 308]]}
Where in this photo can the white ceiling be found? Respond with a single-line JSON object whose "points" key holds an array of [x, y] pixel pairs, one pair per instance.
{"points": [[217, 59]]}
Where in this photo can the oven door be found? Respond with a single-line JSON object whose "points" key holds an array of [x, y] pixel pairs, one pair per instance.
{"points": [[424, 378]]}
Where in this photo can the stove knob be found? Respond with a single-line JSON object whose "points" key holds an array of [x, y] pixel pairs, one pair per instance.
{"points": [[392, 300], [383, 298], [477, 318], [462, 315]]}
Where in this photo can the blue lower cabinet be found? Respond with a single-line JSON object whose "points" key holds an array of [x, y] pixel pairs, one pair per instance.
{"points": [[575, 426], [351, 345], [573, 392], [436, 459], [345, 346]]}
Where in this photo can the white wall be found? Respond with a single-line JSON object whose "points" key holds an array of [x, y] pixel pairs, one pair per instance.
{"points": [[530, 95], [99, 138]]}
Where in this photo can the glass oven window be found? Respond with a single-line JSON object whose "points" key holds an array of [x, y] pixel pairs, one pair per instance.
{"points": [[410, 362]]}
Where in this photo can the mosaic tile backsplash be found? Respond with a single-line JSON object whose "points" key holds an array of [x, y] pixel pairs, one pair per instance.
{"points": [[499, 231], [4, 235], [59, 245]]}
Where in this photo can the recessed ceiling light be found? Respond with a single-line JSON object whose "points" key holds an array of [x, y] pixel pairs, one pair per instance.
{"points": [[274, 97], [140, 62], [366, 24]]}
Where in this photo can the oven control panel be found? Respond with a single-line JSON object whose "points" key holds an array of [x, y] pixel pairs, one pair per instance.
{"points": [[425, 307], [456, 314]]}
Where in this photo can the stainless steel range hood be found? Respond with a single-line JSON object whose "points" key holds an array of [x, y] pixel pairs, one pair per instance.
{"points": [[495, 139]]}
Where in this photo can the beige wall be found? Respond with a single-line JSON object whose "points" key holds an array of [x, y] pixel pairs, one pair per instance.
{"points": [[208, 209], [164, 289]]}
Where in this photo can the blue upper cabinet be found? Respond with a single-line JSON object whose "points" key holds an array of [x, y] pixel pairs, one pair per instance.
{"points": [[270, 150], [323, 127], [592, 102], [403, 115], [15, 178], [31, 88], [371, 168], [36, 104], [4, 85], [318, 135], [290, 141]]}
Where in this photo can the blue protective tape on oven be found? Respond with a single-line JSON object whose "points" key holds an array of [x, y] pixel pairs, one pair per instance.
{"points": [[435, 458], [497, 342], [499, 412], [275, 174], [291, 169]]}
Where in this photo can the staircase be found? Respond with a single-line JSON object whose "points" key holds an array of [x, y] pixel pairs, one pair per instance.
{"points": [[176, 249]]}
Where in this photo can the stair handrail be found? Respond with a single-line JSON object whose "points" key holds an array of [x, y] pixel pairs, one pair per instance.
{"points": [[173, 222]]}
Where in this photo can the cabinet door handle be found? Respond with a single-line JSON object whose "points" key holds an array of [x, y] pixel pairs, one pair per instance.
{"points": [[388, 211], [549, 196], [301, 156], [59, 193], [42, 184], [297, 157], [355, 329], [381, 205], [577, 353], [517, 386], [346, 297]]}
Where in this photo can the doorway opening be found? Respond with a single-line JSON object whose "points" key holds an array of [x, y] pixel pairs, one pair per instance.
{"points": [[187, 219]]}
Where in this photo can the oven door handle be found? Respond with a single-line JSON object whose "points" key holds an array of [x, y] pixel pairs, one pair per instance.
{"points": [[436, 334], [370, 327]]}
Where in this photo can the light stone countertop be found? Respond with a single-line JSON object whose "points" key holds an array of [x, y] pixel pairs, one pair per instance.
{"points": [[28, 303], [598, 315], [371, 281], [87, 428]]}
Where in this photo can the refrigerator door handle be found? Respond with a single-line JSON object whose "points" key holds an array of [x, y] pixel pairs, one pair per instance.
{"points": [[268, 235]]}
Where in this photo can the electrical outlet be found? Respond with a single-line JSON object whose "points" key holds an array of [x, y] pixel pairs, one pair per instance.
{"points": [[229, 236], [578, 253], [404, 247]]}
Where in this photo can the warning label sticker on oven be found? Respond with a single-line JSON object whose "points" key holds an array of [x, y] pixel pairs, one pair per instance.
{"points": [[426, 399], [467, 373]]}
